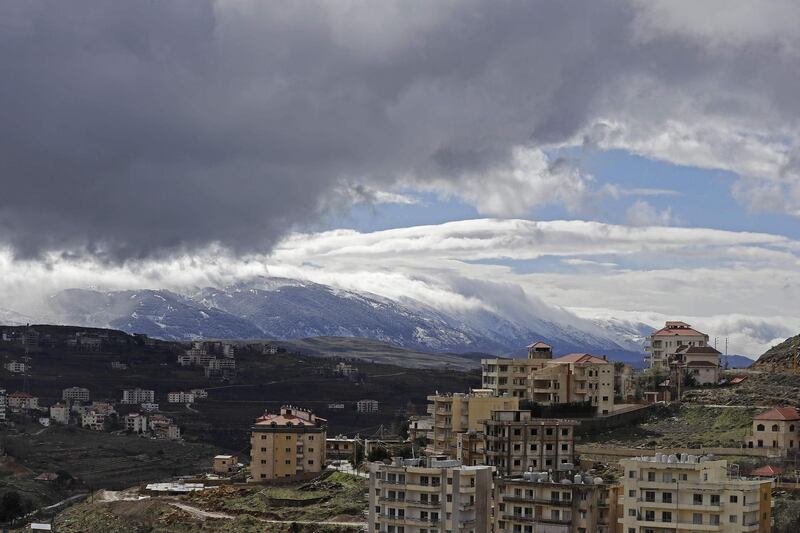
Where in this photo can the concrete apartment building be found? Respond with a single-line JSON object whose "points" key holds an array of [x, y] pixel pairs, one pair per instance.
{"points": [[22, 401], [429, 495], [180, 397], [461, 412], [669, 494], [510, 376], [665, 342], [777, 429], [93, 420], [289, 444], [516, 443], [136, 423], [578, 377], [16, 367], [75, 394], [59, 413], [341, 447], [367, 406], [559, 502], [137, 395], [3, 405]]}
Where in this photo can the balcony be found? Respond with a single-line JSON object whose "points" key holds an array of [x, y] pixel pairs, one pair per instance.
{"points": [[542, 501], [425, 504]]}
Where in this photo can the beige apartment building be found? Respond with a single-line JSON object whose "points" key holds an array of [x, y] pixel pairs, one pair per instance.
{"points": [[510, 376], [665, 342], [516, 443], [429, 495], [289, 444], [575, 378], [777, 429], [560, 502], [461, 412], [668, 494]]}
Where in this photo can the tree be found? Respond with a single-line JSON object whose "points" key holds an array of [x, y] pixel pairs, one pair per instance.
{"points": [[378, 453], [11, 506]]}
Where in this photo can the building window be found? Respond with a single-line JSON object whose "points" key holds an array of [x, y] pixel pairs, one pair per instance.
{"points": [[774, 427], [564, 432], [734, 498], [666, 497], [632, 493], [666, 516], [732, 519], [650, 516], [632, 474], [760, 427], [697, 518], [651, 476], [715, 499], [697, 499]]}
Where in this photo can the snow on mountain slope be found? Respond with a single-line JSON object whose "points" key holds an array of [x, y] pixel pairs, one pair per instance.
{"points": [[161, 314], [12, 318], [292, 309]]}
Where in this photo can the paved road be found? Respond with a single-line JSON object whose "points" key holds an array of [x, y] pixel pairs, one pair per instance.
{"points": [[202, 514]]}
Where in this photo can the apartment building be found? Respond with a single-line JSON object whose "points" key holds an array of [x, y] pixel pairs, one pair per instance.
{"points": [[3, 404], [59, 413], [163, 427], [93, 420], [137, 395], [22, 401], [510, 376], [665, 342], [16, 367], [461, 412], [289, 444], [689, 493], [429, 495], [777, 429], [180, 397], [136, 423], [555, 502], [367, 406], [341, 447], [420, 427], [75, 394], [578, 377], [516, 443]]}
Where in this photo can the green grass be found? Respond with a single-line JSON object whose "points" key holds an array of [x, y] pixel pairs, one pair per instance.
{"points": [[684, 426]]}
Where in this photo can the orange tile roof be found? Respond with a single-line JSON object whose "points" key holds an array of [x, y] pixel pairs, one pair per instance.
{"points": [[677, 331], [779, 413], [580, 359]]}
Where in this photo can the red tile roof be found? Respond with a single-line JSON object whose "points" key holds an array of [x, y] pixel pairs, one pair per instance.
{"points": [[701, 363], [21, 395], [738, 379], [539, 344], [767, 471], [677, 331], [779, 413], [698, 349], [580, 359]]}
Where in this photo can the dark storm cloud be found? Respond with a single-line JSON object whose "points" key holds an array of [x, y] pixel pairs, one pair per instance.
{"points": [[133, 129]]}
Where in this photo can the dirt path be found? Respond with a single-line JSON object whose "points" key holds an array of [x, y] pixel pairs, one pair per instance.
{"points": [[202, 515]]}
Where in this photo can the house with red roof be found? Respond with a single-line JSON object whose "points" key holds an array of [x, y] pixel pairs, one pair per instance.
{"points": [[777, 429], [666, 341], [22, 401], [700, 362]]}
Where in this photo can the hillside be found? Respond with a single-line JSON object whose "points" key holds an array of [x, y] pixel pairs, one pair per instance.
{"points": [[779, 358]]}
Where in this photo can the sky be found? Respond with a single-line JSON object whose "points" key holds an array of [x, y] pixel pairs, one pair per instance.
{"points": [[633, 160]]}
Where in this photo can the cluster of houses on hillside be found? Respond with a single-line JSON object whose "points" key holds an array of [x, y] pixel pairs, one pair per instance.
{"points": [[217, 359], [137, 410]]}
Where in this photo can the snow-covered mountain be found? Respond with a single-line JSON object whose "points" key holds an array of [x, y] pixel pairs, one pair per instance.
{"points": [[291, 309], [12, 318]]}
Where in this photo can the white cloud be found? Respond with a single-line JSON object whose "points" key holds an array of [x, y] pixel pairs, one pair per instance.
{"points": [[642, 213], [734, 284]]}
